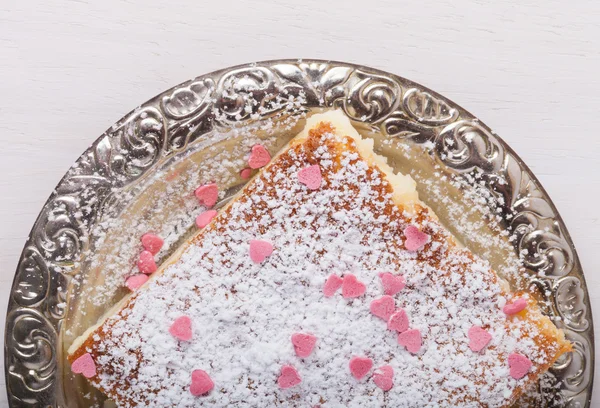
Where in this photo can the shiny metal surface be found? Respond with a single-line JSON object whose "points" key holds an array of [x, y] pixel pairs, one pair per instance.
{"points": [[165, 129]]}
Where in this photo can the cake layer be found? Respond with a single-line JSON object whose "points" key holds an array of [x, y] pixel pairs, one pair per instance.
{"points": [[359, 221]]}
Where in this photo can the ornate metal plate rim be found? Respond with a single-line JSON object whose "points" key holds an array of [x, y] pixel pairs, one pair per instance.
{"points": [[395, 106]]}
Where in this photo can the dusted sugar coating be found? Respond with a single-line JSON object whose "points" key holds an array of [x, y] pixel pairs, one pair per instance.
{"points": [[246, 312]]}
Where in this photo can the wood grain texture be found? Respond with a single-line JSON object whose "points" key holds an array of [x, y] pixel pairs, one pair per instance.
{"points": [[529, 69]]}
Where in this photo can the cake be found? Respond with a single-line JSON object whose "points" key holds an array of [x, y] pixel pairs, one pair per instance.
{"points": [[324, 282]]}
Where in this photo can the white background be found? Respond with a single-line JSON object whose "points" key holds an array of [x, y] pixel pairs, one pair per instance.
{"points": [[529, 69]]}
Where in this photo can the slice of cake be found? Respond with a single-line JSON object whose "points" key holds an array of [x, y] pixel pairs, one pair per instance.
{"points": [[325, 282]]}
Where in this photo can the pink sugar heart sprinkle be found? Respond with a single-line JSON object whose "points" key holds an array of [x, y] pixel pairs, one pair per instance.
{"points": [[383, 307], [415, 239], [411, 339], [398, 321], [288, 377], [246, 173], [332, 284], [260, 250], [478, 338], [352, 287], [205, 218], [519, 365], [259, 157], [134, 282], [207, 194], [392, 284], [311, 177], [84, 365], [303, 344], [360, 366], [146, 263], [182, 328], [514, 307], [201, 383], [383, 377], [152, 243]]}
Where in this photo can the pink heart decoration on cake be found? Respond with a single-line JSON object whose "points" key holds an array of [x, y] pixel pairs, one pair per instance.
{"points": [[259, 157], [411, 339], [392, 284], [398, 321], [146, 263], [352, 287], [246, 173], [288, 378], [84, 365], [134, 282], [207, 194], [260, 250], [383, 307], [519, 365], [332, 284], [311, 177], [303, 344], [514, 307], [182, 328], [360, 366], [478, 338], [201, 383], [415, 239], [152, 243], [205, 218], [383, 377]]}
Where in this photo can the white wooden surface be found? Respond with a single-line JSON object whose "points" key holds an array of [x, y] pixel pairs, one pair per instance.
{"points": [[528, 68]]}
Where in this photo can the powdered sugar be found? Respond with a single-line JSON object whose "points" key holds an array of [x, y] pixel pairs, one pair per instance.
{"points": [[163, 203], [469, 210], [244, 313]]}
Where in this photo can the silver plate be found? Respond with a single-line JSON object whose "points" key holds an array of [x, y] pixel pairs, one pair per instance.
{"points": [[117, 175]]}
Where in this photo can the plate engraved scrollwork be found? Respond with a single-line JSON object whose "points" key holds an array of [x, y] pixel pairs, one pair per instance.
{"points": [[368, 97], [31, 363], [428, 109], [234, 97]]}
